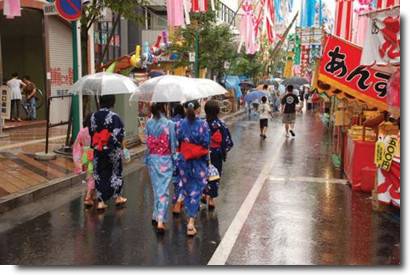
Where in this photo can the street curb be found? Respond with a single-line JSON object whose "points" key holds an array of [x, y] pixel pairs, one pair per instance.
{"points": [[35, 193]]}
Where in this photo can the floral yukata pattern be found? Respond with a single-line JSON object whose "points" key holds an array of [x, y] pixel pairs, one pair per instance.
{"points": [[161, 147], [107, 134], [194, 172]]}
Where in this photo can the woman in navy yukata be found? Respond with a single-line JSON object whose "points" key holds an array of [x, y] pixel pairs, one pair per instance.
{"points": [[221, 144], [161, 147], [107, 135], [193, 137], [178, 114]]}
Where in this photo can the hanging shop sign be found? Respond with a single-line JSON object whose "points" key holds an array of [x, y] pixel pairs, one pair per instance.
{"points": [[340, 67], [383, 38]]}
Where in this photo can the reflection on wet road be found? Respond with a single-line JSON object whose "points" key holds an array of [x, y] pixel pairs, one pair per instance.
{"points": [[293, 221]]}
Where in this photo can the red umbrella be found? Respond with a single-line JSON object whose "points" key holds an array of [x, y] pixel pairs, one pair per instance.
{"points": [[393, 93]]}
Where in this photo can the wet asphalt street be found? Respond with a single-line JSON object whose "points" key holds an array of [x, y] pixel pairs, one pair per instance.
{"points": [[304, 214]]}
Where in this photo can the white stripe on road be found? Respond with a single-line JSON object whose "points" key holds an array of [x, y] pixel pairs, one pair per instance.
{"points": [[225, 247], [310, 179], [10, 146]]}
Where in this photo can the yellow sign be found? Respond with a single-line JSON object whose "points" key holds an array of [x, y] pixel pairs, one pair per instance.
{"points": [[378, 153], [388, 153]]}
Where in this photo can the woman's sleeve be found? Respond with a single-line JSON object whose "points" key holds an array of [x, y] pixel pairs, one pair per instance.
{"points": [[206, 135], [119, 131], [172, 137]]}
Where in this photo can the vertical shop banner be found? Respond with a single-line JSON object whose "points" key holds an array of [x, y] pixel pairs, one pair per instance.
{"points": [[305, 59], [382, 39], [340, 67]]}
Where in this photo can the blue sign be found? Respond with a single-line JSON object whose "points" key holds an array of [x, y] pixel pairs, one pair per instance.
{"points": [[69, 9]]}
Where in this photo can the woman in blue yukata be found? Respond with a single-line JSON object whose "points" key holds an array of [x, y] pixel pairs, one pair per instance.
{"points": [[178, 114], [221, 144], [107, 135], [161, 147], [193, 137]]}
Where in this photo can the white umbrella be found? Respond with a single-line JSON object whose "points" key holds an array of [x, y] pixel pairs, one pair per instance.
{"points": [[104, 84], [171, 88], [209, 87]]}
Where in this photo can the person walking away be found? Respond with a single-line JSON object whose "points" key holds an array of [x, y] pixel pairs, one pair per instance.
{"points": [[221, 144], [178, 114], [107, 135], [265, 113], [193, 137], [15, 85], [289, 102], [161, 147], [83, 156], [30, 91]]}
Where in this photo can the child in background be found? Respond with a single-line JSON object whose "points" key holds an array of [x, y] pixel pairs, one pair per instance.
{"points": [[83, 156], [265, 113]]}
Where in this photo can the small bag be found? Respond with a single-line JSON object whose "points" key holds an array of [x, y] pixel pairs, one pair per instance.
{"points": [[213, 173]]}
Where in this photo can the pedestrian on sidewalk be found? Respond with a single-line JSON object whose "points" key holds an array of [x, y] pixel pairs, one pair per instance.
{"points": [[83, 156], [178, 114], [193, 137], [265, 113], [107, 135], [289, 102], [161, 148], [15, 85], [30, 91], [221, 144]]}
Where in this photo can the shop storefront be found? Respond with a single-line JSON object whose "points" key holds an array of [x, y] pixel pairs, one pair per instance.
{"points": [[366, 142], [39, 45]]}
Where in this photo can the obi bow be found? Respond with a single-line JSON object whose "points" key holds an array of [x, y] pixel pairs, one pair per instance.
{"points": [[100, 139]]}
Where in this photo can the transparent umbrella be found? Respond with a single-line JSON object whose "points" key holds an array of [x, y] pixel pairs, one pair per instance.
{"points": [[104, 84], [171, 88]]}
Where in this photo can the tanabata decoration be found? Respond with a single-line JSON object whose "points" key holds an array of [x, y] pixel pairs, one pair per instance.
{"points": [[11, 8], [266, 17], [247, 29]]}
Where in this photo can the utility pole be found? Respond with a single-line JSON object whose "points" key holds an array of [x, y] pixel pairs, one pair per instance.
{"points": [[77, 71]]}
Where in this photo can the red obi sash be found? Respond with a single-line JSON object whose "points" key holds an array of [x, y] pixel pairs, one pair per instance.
{"points": [[158, 145], [101, 139], [216, 139], [192, 151]]}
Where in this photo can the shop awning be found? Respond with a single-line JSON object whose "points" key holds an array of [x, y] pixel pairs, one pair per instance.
{"points": [[341, 74]]}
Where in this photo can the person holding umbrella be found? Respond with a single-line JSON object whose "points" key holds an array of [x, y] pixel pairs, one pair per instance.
{"points": [[193, 136], [161, 147], [107, 135]]}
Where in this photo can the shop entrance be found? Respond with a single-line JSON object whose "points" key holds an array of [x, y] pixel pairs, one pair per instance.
{"points": [[23, 51]]}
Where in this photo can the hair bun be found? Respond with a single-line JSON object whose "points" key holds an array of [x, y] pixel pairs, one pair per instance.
{"points": [[191, 105]]}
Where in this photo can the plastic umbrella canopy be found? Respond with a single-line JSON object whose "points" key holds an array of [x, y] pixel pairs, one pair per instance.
{"points": [[209, 87], [171, 88], [254, 95], [104, 84], [295, 81]]}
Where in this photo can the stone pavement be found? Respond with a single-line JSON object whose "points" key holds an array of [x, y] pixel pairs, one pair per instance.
{"points": [[23, 178]]}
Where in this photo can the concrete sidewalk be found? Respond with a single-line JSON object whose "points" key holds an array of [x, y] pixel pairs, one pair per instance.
{"points": [[24, 179]]}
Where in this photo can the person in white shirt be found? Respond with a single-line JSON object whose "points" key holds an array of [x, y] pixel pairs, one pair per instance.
{"points": [[15, 86], [265, 113]]}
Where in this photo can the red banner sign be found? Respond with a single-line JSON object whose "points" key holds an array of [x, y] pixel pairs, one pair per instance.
{"points": [[340, 67]]}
